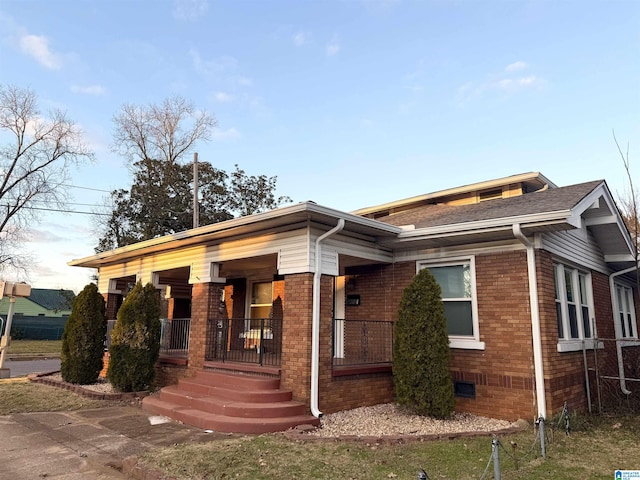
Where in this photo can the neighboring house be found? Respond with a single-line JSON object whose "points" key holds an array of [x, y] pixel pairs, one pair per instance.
{"points": [[530, 273], [42, 302], [41, 315]]}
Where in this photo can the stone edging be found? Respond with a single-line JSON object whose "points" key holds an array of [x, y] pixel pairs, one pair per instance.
{"points": [[81, 390], [301, 434]]}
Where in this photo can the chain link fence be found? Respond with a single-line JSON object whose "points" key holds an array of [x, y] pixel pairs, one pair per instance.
{"points": [[613, 370]]}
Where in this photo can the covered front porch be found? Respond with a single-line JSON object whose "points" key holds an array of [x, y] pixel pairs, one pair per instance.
{"points": [[269, 295], [247, 327]]}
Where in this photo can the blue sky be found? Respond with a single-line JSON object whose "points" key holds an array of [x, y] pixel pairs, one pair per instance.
{"points": [[350, 103]]}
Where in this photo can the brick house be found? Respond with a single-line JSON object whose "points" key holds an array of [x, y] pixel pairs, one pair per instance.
{"points": [[532, 276]]}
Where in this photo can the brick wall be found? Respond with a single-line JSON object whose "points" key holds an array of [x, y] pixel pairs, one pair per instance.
{"points": [[565, 371], [502, 373], [169, 374], [205, 305], [380, 289], [296, 335]]}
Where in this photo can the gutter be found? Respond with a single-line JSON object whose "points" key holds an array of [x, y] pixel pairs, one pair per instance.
{"points": [[535, 321], [280, 217], [315, 319], [616, 325]]}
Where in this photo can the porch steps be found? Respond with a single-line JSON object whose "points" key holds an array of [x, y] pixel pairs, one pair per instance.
{"points": [[228, 402]]}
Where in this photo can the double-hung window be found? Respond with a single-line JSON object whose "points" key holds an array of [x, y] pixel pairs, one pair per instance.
{"points": [[574, 306], [626, 312], [457, 283]]}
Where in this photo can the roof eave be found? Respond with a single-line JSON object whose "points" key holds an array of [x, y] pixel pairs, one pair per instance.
{"points": [[457, 190], [248, 224], [526, 221]]}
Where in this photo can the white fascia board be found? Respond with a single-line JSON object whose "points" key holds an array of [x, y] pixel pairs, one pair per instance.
{"points": [[498, 224], [458, 190], [620, 258], [605, 220], [599, 195], [251, 222]]}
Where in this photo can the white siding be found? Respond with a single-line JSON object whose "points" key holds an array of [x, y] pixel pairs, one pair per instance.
{"points": [[199, 258], [576, 247], [295, 250]]}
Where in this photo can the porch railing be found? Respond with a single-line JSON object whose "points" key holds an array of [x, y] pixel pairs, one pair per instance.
{"points": [[362, 342], [174, 336], [245, 340], [107, 340]]}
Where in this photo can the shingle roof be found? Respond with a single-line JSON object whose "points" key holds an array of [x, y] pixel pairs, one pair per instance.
{"points": [[551, 200], [52, 299]]}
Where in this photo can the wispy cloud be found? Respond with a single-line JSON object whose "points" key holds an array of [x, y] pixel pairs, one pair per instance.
{"points": [[510, 84], [223, 97], [244, 81], [222, 64], [44, 236], [516, 66], [190, 10], [333, 47], [511, 80], [228, 134], [89, 89], [301, 38], [37, 46]]}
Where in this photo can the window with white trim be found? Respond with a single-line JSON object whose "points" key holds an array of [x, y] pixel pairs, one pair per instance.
{"points": [[626, 312], [574, 305], [457, 282]]}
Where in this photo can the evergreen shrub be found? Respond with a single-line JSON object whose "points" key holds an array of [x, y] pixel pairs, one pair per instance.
{"points": [[83, 338], [422, 380], [135, 340]]}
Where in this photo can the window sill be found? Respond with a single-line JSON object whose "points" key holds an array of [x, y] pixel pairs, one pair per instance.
{"points": [[466, 344], [339, 371], [575, 345], [629, 342]]}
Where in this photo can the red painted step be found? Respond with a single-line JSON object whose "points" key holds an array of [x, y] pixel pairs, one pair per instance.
{"points": [[230, 403]]}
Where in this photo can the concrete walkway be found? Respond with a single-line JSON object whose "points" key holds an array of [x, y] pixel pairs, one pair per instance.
{"points": [[21, 367], [85, 443]]}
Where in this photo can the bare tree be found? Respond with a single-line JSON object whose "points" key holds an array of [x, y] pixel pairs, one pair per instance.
{"points": [[33, 166], [154, 139], [629, 204], [165, 131]]}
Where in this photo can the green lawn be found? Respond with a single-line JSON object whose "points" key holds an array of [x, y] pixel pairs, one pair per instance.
{"points": [[595, 450], [21, 396], [596, 447], [35, 347]]}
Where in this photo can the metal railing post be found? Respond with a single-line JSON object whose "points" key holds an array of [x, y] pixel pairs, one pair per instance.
{"points": [[497, 475], [261, 343], [541, 432]]}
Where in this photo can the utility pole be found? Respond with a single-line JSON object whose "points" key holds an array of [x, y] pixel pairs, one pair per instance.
{"points": [[196, 209]]}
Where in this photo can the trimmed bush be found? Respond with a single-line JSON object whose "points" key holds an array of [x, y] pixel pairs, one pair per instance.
{"points": [[421, 375], [135, 340], [83, 338]]}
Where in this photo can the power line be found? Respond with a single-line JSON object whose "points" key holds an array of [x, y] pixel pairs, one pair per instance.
{"points": [[86, 188], [73, 203], [64, 211]]}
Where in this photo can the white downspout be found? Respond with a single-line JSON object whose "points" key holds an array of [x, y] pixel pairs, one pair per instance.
{"points": [[535, 321], [315, 319], [616, 325]]}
